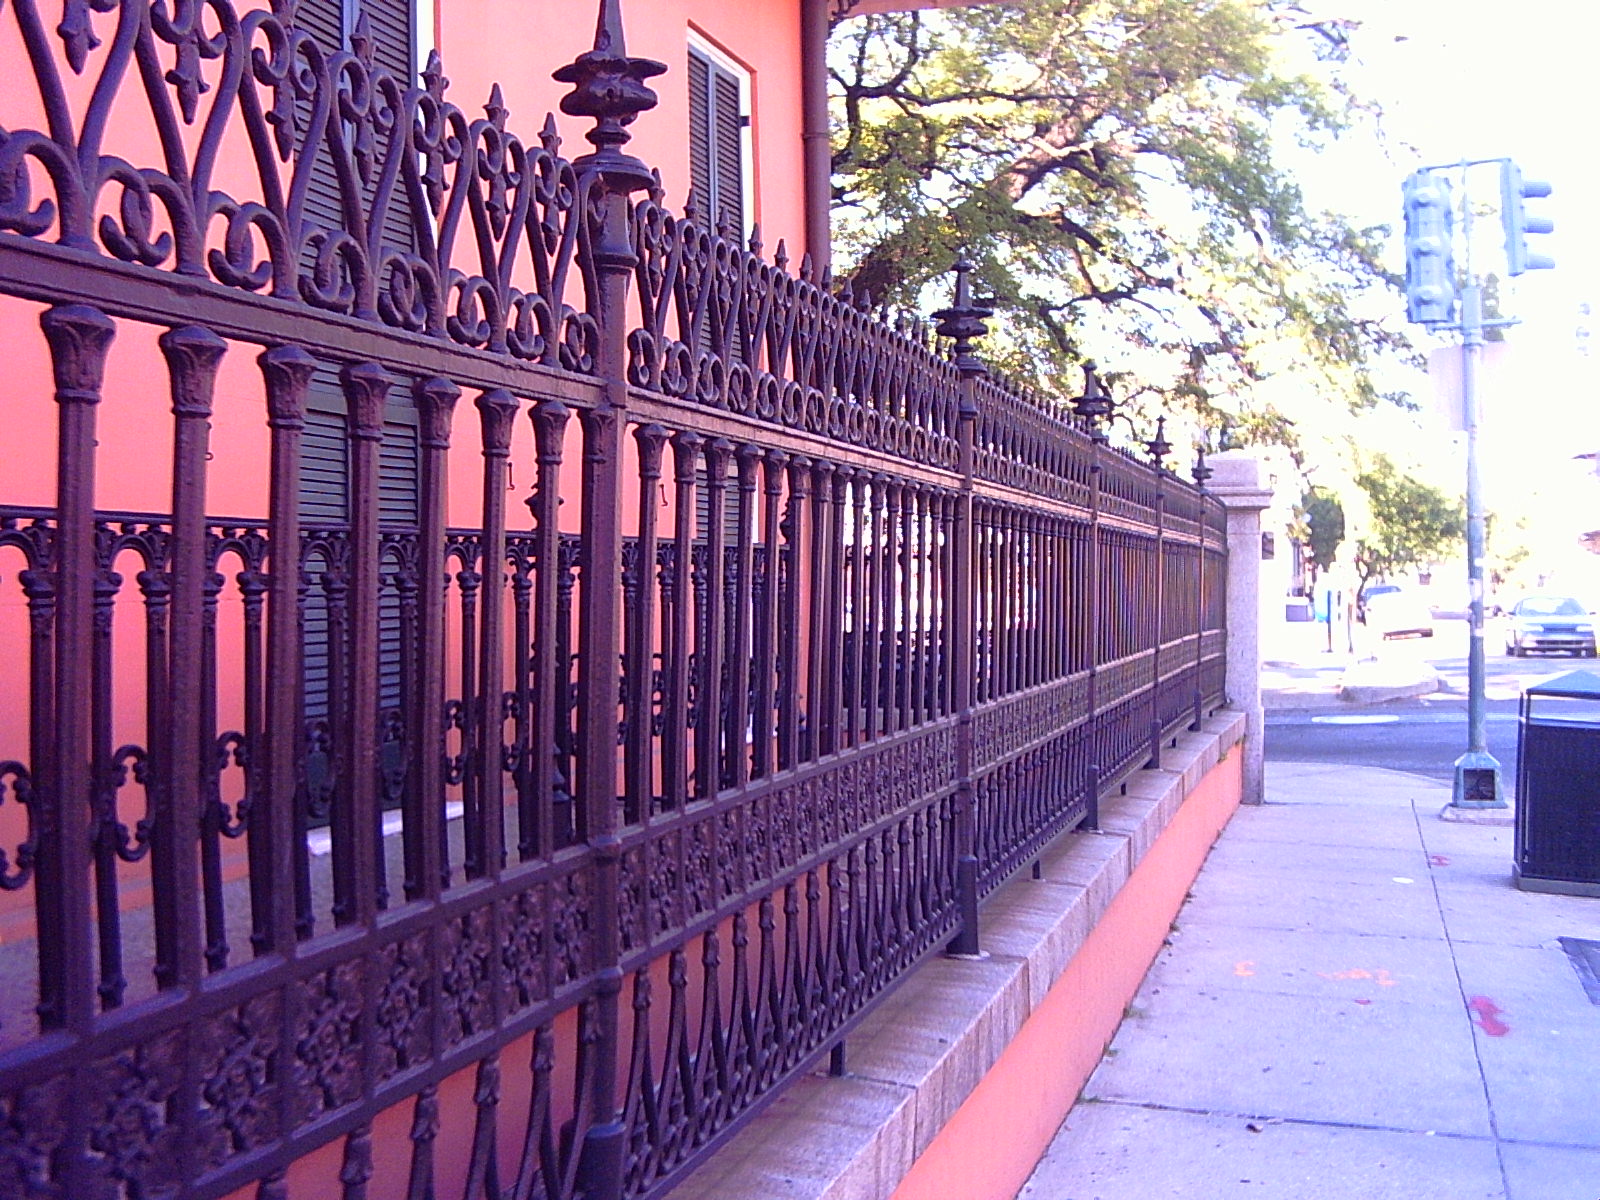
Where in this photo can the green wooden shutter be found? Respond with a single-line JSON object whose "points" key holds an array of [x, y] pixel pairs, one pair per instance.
{"points": [[325, 475], [393, 27], [728, 130], [324, 495], [700, 158], [716, 142]]}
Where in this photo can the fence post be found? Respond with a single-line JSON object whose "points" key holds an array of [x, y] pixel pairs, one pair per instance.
{"points": [[609, 87], [1239, 480], [1202, 473], [1159, 570], [964, 321], [1097, 440]]}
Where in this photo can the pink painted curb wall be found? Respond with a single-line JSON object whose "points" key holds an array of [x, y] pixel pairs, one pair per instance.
{"points": [[990, 1146]]}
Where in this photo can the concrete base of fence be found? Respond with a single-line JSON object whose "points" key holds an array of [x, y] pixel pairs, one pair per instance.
{"points": [[957, 1082]]}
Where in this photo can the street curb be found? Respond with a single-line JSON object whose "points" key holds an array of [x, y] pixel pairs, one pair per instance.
{"points": [[1381, 693], [1479, 816]]}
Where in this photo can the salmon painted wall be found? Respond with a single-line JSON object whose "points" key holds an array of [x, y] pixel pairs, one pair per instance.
{"points": [[990, 1146], [763, 36]]}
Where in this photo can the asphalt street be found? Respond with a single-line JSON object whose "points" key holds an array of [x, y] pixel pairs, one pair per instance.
{"points": [[1426, 735]]}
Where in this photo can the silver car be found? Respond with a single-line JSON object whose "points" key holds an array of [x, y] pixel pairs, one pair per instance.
{"points": [[1545, 623]]}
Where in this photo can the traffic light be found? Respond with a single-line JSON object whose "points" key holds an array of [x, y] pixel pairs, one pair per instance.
{"points": [[1518, 224], [1430, 264]]}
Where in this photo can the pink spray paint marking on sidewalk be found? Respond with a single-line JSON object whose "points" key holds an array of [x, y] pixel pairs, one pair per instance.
{"points": [[1486, 1015]]}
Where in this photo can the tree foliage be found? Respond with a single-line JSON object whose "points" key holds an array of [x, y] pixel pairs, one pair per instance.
{"points": [[1409, 523], [1114, 167], [1322, 528], [1508, 545]]}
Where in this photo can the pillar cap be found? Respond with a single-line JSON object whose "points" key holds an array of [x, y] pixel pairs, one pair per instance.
{"points": [[1240, 480]]}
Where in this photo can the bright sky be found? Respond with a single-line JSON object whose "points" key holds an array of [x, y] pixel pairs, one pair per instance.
{"points": [[1483, 79]]}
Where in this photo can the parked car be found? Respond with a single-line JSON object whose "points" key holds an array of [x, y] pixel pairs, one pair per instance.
{"points": [[1545, 623], [1392, 612]]}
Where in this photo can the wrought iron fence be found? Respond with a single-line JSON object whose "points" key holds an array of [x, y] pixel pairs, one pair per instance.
{"points": [[608, 817]]}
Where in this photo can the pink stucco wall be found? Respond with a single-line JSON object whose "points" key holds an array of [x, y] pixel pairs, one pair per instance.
{"points": [[762, 36]]}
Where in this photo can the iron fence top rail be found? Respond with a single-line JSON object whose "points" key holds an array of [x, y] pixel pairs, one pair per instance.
{"points": [[34, 270], [645, 406], [37, 271], [721, 325]]}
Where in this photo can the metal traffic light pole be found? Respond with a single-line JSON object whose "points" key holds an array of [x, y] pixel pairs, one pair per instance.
{"points": [[1477, 775], [1430, 288]]}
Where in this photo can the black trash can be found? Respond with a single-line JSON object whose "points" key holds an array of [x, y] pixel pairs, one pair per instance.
{"points": [[1558, 787]]}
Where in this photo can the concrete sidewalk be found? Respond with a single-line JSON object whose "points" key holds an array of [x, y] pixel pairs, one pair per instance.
{"points": [[1355, 1002]]}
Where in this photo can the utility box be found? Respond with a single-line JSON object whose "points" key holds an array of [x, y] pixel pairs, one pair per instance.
{"points": [[1558, 787]]}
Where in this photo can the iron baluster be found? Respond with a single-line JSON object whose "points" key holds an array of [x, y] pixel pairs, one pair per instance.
{"points": [[739, 732], [108, 778], [963, 322], [552, 822], [425, 825], [277, 847], [798, 533], [639, 786], [610, 87], [677, 756], [497, 410], [79, 339], [771, 679]]}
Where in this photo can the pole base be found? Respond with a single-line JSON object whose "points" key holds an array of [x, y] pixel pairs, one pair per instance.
{"points": [[1477, 782]]}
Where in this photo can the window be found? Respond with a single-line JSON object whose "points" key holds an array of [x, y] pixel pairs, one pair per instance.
{"points": [[718, 128]]}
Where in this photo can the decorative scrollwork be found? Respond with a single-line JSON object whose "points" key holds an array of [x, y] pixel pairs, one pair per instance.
{"points": [[17, 870], [404, 1018], [318, 778], [455, 765], [231, 749], [125, 761], [726, 329], [239, 1092], [437, 211], [327, 1046], [135, 1138], [464, 975]]}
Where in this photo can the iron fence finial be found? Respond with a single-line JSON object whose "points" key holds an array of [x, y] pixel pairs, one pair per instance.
{"points": [[1094, 405], [964, 321], [610, 87], [1158, 446]]}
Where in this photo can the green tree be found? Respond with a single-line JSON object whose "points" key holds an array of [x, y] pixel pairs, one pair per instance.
{"points": [[1508, 542], [1321, 532], [1115, 169], [1408, 522]]}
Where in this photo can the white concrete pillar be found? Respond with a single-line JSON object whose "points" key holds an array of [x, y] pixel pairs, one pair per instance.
{"points": [[1241, 482]]}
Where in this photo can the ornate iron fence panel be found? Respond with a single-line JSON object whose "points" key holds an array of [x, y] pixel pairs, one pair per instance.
{"points": [[587, 761]]}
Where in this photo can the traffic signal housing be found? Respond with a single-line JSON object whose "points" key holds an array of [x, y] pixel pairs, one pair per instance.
{"points": [[1430, 261], [1518, 224]]}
